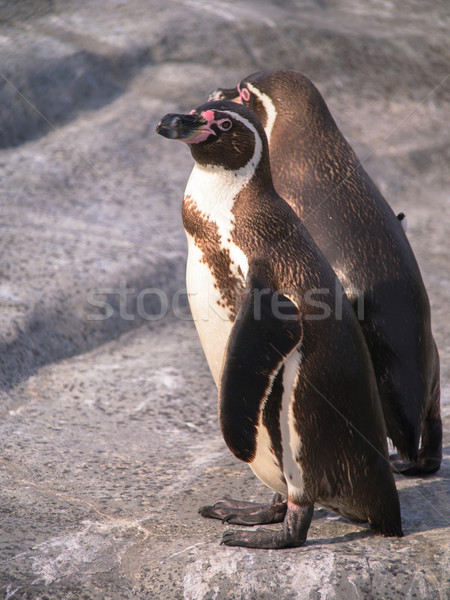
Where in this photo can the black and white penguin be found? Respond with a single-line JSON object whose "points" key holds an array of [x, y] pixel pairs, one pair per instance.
{"points": [[297, 394], [316, 171]]}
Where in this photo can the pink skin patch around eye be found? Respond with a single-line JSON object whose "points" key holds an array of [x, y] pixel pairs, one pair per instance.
{"points": [[244, 94], [209, 116]]}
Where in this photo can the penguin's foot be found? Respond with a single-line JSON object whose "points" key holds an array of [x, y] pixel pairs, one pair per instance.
{"points": [[423, 466], [293, 534], [246, 513], [430, 453]]}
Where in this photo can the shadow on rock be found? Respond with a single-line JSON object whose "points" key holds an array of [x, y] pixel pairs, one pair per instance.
{"points": [[53, 91], [70, 326], [424, 500]]}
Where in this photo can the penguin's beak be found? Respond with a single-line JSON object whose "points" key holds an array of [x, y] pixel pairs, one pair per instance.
{"points": [[182, 127], [231, 94]]}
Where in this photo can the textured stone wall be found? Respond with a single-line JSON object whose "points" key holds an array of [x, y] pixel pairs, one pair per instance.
{"points": [[110, 440]]}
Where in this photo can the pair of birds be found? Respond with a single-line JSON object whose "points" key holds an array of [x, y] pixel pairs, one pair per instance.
{"points": [[280, 218]]}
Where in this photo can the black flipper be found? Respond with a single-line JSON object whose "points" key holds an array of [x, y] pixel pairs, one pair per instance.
{"points": [[267, 329]]}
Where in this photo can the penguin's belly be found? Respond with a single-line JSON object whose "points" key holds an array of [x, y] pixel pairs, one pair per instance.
{"points": [[212, 319], [285, 478], [265, 464]]}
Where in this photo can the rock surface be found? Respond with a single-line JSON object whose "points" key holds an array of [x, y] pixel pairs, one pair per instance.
{"points": [[108, 411]]}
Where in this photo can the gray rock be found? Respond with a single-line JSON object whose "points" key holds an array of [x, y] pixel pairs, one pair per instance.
{"points": [[109, 426]]}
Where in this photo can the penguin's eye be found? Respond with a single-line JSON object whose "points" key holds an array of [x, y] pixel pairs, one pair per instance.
{"points": [[245, 94], [224, 124]]}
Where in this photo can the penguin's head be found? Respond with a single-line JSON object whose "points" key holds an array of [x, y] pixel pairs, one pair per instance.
{"points": [[255, 92], [219, 134], [269, 93], [231, 94]]}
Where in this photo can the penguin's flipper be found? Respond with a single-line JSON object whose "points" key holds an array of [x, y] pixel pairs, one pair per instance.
{"points": [[267, 329]]}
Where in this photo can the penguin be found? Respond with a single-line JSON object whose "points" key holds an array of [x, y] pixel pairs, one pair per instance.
{"points": [[317, 172], [297, 393]]}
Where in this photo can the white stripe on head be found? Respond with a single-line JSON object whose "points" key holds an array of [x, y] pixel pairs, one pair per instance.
{"points": [[269, 107]]}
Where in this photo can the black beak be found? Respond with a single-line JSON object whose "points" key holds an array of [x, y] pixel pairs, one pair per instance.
{"points": [[181, 127], [231, 94]]}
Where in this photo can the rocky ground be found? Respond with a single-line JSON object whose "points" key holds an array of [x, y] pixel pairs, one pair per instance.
{"points": [[110, 440]]}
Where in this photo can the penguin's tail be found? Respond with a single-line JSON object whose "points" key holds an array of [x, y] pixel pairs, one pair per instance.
{"points": [[388, 522], [392, 531], [383, 507]]}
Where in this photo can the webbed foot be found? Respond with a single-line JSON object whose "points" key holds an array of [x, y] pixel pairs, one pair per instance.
{"points": [[423, 466], [246, 513], [293, 534], [430, 453]]}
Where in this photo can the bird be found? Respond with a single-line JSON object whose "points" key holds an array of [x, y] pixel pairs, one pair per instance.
{"points": [[317, 172], [298, 399]]}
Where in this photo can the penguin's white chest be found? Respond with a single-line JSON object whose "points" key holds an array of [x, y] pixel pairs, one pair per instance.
{"points": [[212, 319], [216, 266]]}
